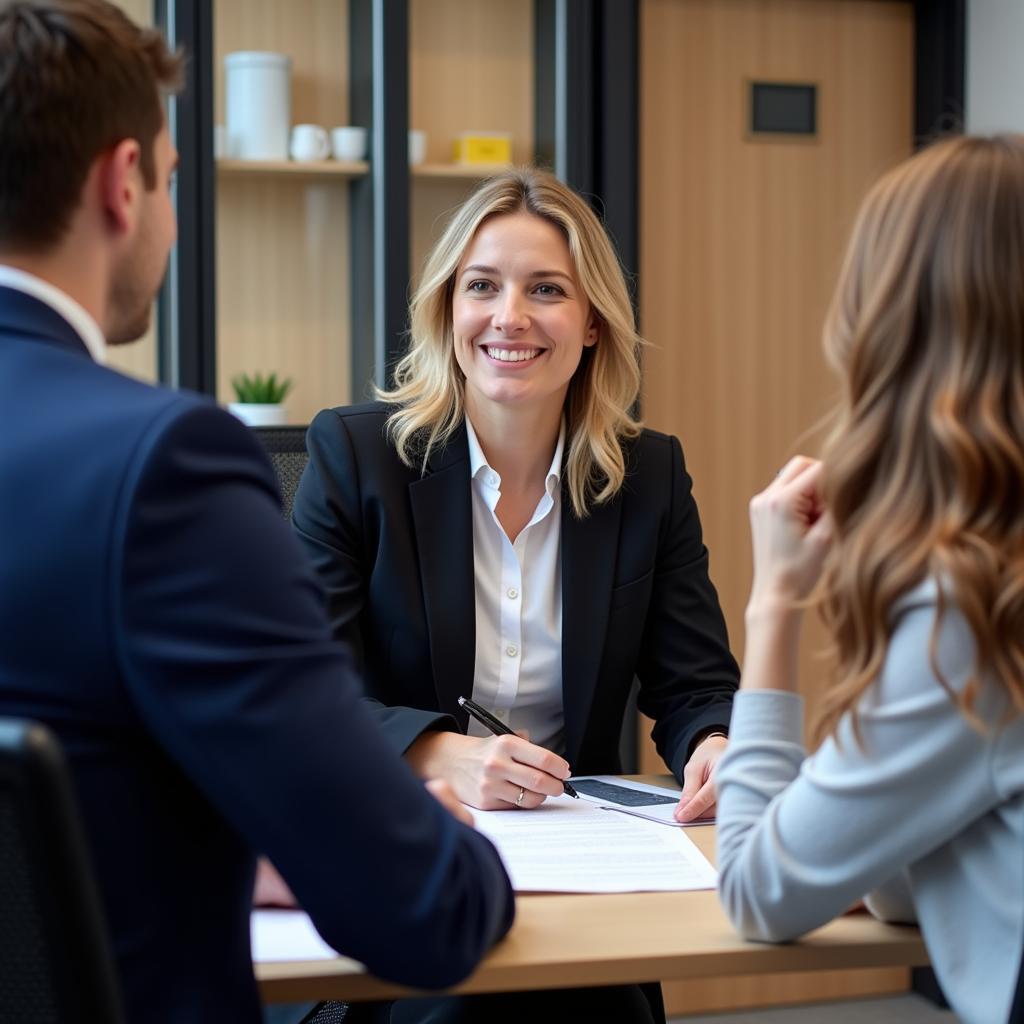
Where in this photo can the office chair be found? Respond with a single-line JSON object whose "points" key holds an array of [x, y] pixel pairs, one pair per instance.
{"points": [[55, 960], [286, 447], [327, 1013]]}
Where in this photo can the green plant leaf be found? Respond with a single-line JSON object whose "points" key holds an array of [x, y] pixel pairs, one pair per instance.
{"points": [[258, 389]]}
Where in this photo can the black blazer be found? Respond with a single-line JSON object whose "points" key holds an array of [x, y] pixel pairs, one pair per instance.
{"points": [[394, 549]]}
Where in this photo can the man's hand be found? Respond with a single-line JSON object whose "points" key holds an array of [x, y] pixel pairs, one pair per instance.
{"points": [[271, 890], [445, 796], [699, 796]]}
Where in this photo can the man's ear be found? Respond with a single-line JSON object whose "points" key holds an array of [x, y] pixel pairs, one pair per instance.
{"points": [[120, 181]]}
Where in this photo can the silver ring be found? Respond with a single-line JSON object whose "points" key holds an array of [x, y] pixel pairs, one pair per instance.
{"points": [[519, 799]]}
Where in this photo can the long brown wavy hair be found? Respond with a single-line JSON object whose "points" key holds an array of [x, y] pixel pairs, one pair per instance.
{"points": [[925, 462]]}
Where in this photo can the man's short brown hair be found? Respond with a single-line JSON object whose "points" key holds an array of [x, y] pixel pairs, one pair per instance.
{"points": [[76, 78]]}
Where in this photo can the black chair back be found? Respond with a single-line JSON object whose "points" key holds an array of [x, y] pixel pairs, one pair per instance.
{"points": [[286, 447], [1017, 1009], [55, 960]]}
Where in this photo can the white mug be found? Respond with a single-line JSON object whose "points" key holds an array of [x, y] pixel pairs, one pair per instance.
{"points": [[348, 143], [309, 142], [417, 147]]}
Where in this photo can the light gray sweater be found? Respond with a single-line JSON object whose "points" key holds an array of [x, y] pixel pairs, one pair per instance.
{"points": [[927, 816]]}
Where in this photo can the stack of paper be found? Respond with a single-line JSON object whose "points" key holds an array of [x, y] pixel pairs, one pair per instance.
{"points": [[568, 845]]}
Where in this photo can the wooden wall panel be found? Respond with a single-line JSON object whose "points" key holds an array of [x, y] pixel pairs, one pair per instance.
{"points": [[741, 241], [471, 69], [283, 288], [435, 201], [314, 33]]}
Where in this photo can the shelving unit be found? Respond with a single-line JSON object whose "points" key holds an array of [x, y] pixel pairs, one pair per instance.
{"points": [[294, 286], [283, 227]]}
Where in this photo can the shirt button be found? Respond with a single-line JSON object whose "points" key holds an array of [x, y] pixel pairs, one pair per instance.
{"points": [[511, 650], [492, 479], [513, 593]]}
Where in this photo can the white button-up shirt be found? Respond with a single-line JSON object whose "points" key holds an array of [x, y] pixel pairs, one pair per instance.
{"points": [[518, 669], [75, 314]]}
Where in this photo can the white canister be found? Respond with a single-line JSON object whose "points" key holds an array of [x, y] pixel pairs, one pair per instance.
{"points": [[258, 104]]}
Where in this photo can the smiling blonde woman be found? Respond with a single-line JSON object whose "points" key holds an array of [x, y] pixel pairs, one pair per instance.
{"points": [[500, 526]]}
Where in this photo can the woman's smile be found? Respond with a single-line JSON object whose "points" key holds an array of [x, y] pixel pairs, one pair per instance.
{"points": [[512, 355]]}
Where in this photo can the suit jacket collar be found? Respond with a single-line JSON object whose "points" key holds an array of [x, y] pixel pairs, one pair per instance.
{"points": [[32, 318], [443, 521]]}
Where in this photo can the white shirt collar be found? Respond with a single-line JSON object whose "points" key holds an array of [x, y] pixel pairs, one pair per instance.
{"points": [[478, 461], [61, 303]]}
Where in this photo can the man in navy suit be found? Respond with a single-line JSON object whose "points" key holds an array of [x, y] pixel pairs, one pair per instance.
{"points": [[154, 608]]}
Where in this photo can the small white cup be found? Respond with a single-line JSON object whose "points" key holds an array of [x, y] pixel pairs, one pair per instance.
{"points": [[417, 147], [348, 143], [309, 142]]}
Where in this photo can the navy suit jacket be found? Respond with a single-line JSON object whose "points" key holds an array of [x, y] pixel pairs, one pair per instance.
{"points": [[157, 613], [394, 549]]}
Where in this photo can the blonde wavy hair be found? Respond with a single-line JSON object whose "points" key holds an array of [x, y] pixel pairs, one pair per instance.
{"points": [[429, 386], [925, 464]]}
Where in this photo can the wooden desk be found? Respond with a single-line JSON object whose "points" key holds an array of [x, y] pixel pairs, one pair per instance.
{"points": [[568, 940]]}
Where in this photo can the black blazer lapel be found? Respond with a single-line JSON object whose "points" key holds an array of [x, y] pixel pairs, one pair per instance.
{"points": [[442, 515], [589, 552]]}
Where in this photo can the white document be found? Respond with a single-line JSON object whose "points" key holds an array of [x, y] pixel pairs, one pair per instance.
{"points": [[653, 802], [286, 935], [568, 845]]}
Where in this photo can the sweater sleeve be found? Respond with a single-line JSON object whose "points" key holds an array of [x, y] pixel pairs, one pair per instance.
{"points": [[801, 838]]}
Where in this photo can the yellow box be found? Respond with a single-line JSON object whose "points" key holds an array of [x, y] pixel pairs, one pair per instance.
{"points": [[483, 148]]}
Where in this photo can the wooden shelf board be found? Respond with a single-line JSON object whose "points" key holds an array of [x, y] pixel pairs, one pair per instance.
{"points": [[286, 168], [458, 170]]}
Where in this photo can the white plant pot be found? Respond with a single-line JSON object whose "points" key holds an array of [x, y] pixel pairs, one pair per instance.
{"points": [[259, 414]]}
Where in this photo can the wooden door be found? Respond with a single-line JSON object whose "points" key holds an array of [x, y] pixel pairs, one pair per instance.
{"points": [[741, 241]]}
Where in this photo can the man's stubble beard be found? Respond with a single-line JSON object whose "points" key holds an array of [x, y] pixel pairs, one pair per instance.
{"points": [[133, 290]]}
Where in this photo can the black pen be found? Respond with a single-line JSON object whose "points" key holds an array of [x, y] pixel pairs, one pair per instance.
{"points": [[488, 721]]}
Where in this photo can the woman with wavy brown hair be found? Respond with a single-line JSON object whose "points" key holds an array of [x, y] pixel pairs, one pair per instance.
{"points": [[912, 529]]}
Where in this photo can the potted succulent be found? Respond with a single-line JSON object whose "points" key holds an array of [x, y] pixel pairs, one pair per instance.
{"points": [[260, 399]]}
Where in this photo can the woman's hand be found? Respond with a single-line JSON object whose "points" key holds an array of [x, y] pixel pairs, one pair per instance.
{"points": [[698, 797], [791, 533], [493, 773]]}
